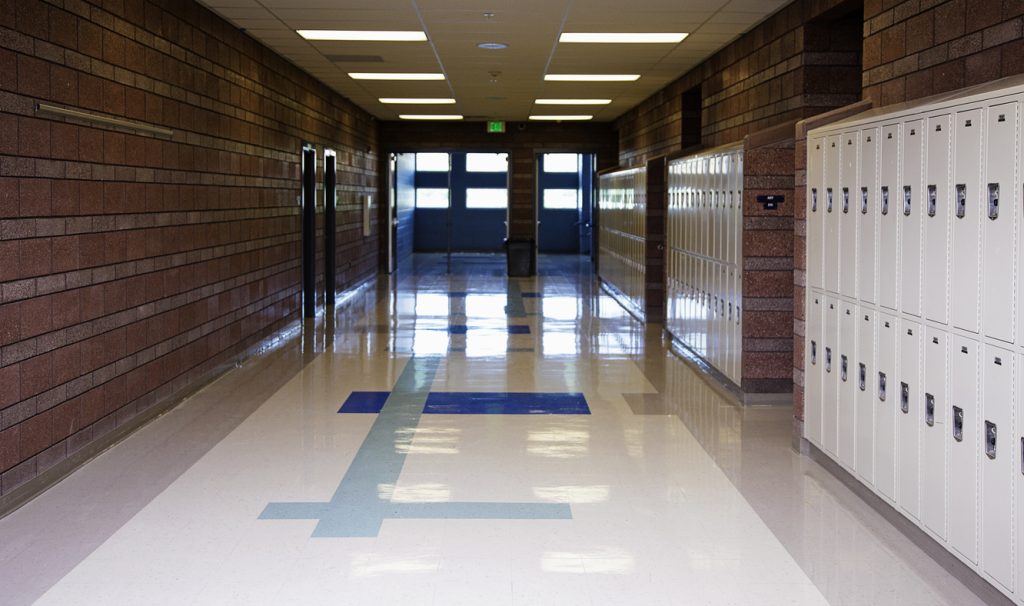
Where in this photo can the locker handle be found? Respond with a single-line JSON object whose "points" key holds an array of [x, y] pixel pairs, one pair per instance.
{"points": [[842, 367], [961, 200], [993, 201], [906, 200], [929, 410], [904, 397], [990, 439], [863, 200], [828, 200], [932, 200], [846, 200], [863, 377], [881, 386], [885, 199], [814, 199], [828, 359], [958, 424]]}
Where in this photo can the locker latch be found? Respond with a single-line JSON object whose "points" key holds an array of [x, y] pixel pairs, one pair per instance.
{"points": [[885, 199], [842, 367], [814, 199], [990, 439], [828, 200], [906, 200], [929, 409], [863, 200], [961, 200], [881, 386], [904, 397], [958, 424], [863, 379], [828, 359], [993, 201], [846, 200], [932, 201]]}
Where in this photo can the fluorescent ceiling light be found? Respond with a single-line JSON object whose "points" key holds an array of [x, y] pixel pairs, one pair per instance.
{"points": [[416, 101], [573, 101], [592, 77], [430, 116], [624, 38], [362, 36], [393, 76], [560, 118]]}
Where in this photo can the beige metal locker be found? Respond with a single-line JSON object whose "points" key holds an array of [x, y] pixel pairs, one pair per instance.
{"points": [[966, 220], [830, 380], [864, 373], [933, 431], [911, 399], [1019, 476], [867, 212], [847, 383], [813, 365], [832, 211], [886, 387], [998, 464], [936, 217], [888, 210], [910, 202], [848, 217], [815, 212], [964, 442], [1001, 201]]}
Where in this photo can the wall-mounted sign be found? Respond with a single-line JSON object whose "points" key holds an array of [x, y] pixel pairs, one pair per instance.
{"points": [[771, 202]]}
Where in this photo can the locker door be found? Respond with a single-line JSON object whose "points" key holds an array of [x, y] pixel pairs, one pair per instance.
{"points": [[886, 395], [998, 465], [964, 443], [936, 216], [966, 219], [832, 211], [848, 215], [864, 371], [909, 213], [814, 355], [830, 379], [815, 212], [1000, 208], [867, 211], [738, 225], [908, 391], [933, 431], [1019, 473], [847, 384], [888, 209]]}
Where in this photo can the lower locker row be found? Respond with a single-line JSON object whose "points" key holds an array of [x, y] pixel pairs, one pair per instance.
{"points": [[926, 418]]}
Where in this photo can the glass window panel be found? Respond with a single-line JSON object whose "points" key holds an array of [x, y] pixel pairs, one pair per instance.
{"points": [[561, 163], [491, 197], [430, 197], [560, 198], [487, 163], [432, 162]]}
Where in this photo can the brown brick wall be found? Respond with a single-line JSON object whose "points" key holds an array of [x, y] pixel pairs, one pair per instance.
{"points": [[132, 265]]}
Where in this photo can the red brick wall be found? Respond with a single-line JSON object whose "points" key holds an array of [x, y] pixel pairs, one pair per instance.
{"points": [[132, 265]]}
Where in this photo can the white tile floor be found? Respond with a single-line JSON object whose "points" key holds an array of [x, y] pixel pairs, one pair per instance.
{"points": [[687, 500]]}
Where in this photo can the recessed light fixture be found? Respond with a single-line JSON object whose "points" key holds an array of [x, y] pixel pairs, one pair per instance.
{"points": [[573, 101], [592, 77], [363, 36], [492, 45], [430, 116], [623, 38], [416, 101], [393, 76], [561, 118]]}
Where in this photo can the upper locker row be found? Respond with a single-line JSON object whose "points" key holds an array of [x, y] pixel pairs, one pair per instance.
{"points": [[704, 260], [901, 209], [622, 233]]}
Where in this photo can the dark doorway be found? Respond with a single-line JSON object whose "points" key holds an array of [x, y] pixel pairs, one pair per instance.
{"points": [[308, 200], [564, 209], [330, 225]]}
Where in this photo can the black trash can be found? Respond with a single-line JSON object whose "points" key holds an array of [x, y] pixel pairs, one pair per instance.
{"points": [[520, 258]]}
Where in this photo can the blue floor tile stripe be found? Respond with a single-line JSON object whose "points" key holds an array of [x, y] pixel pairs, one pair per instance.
{"points": [[365, 402], [506, 403]]}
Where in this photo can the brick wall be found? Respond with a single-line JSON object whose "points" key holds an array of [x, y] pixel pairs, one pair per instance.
{"points": [[132, 265], [522, 141]]}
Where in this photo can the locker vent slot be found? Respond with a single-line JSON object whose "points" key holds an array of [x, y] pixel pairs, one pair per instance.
{"points": [[863, 378], [938, 128], [828, 359], [968, 124], [929, 409], [869, 139], [885, 199], [935, 340], [904, 397], [842, 367], [961, 200], [1001, 118], [881, 386], [887, 325], [932, 201], [863, 200], [888, 136], [993, 201], [828, 200], [963, 349], [958, 424], [846, 200], [906, 200], [814, 199], [990, 439]]}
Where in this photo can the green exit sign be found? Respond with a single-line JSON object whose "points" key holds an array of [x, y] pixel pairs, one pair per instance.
{"points": [[495, 126]]}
